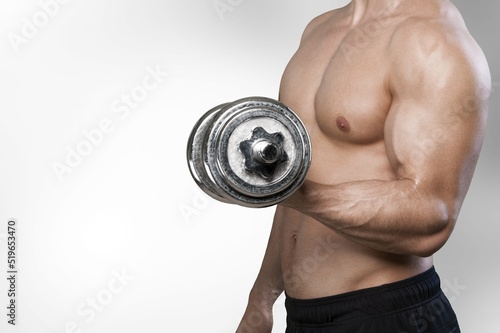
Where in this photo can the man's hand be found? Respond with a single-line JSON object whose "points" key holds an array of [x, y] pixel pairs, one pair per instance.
{"points": [[258, 318], [268, 286], [302, 197]]}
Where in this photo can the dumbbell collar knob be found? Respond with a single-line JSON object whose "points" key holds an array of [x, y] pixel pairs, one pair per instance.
{"points": [[263, 152]]}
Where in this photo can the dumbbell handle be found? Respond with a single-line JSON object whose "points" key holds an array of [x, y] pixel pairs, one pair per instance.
{"points": [[265, 151]]}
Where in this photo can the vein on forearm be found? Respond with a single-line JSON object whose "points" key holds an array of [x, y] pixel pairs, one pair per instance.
{"points": [[386, 215]]}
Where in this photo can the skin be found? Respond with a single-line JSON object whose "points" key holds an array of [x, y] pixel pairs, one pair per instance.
{"points": [[394, 96]]}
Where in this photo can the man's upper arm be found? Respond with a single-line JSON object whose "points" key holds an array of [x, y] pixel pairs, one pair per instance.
{"points": [[435, 127]]}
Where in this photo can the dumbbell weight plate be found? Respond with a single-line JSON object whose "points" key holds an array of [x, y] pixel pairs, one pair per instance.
{"points": [[197, 157], [235, 123]]}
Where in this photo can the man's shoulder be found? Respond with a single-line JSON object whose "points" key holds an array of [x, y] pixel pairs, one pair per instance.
{"points": [[319, 20], [425, 34], [437, 41], [437, 51]]}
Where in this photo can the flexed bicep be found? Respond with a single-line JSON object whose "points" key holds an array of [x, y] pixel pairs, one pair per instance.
{"points": [[435, 126]]}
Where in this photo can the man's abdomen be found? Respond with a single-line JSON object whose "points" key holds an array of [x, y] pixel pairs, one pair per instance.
{"points": [[318, 262]]}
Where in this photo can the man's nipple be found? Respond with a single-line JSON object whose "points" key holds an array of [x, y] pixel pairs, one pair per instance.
{"points": [[343, 124]]}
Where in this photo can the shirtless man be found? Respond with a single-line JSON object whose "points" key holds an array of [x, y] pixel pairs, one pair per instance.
{"points": [[394, 96]]}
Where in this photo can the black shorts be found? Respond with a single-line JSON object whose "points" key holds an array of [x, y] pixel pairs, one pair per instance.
{"points": [[414, 305]]}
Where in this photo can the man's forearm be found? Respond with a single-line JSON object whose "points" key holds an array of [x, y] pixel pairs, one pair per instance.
{"points": [[269, 283], [267, 287], [391, 216]]}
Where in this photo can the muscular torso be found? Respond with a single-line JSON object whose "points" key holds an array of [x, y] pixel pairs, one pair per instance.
{"points": [[338, 83]]}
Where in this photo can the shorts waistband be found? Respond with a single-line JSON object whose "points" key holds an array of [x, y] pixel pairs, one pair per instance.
{"points": [[376, 300]]}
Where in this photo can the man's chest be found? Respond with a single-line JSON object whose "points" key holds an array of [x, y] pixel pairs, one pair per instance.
{"points": [[339, 83]]}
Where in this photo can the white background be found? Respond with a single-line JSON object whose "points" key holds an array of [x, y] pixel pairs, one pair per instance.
{"points": [[130, 206]]}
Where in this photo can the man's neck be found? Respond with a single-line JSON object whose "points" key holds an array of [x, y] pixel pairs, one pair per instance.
{"points": [[360, 8]]}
